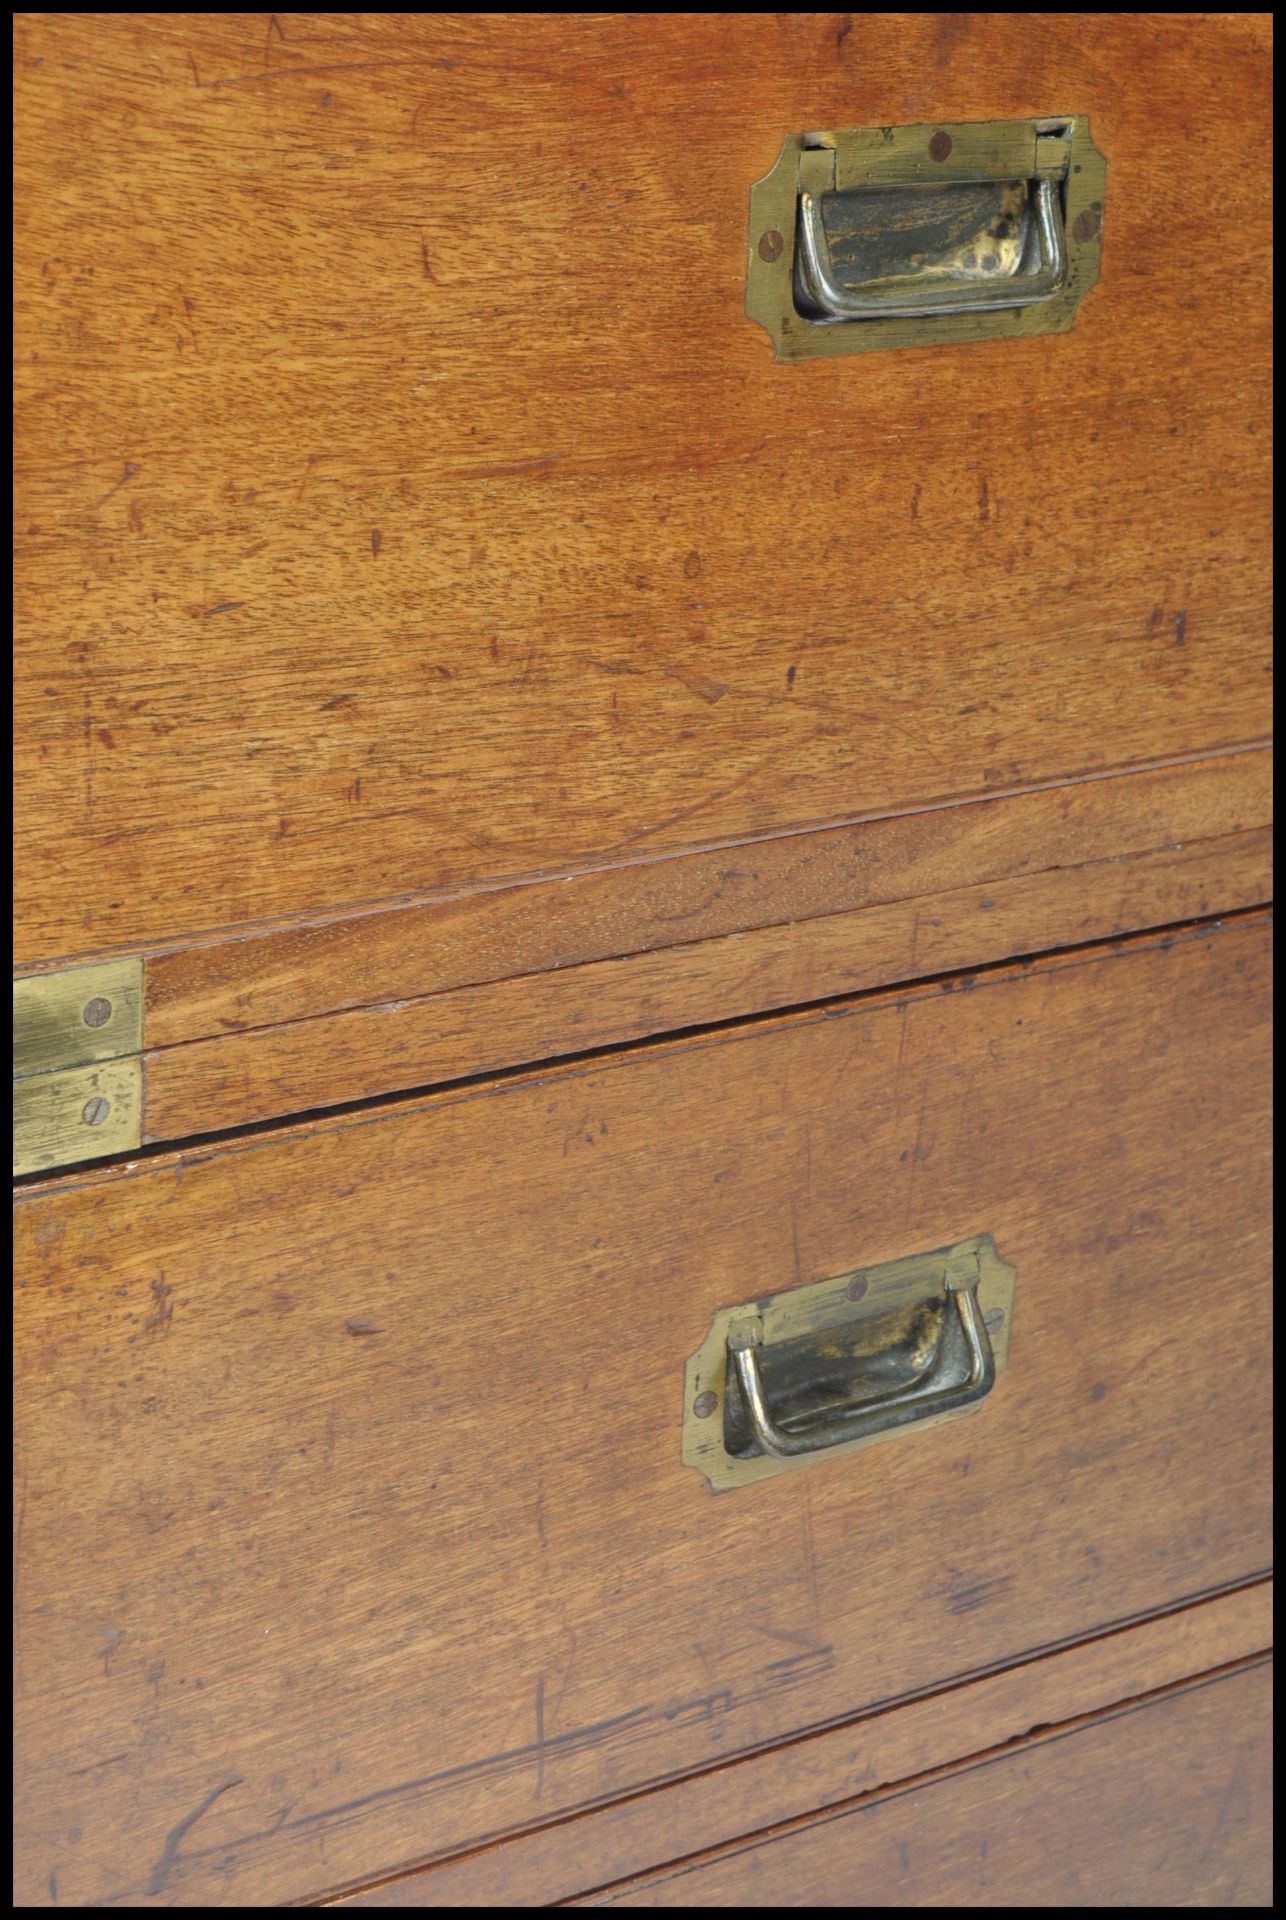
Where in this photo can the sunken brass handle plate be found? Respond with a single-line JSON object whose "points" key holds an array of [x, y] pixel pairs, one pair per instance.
{"points": [[831, 1367], [925, 236]]}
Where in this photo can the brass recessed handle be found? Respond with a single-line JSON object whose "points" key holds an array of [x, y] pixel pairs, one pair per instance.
{"points": [[865, 238], [977, 282], [961, 1339]]}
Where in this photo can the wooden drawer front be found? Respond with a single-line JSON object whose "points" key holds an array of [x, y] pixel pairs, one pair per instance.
{"points": [[406, 501], [1166, 1804], [353, 1523]]}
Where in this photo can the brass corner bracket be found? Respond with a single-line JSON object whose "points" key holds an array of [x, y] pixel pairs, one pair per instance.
{"points": [[77, 1065]]}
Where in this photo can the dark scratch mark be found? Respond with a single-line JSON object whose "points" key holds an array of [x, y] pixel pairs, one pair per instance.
{"points": [[424, 261], [915, 503], [703, 1708], [711, 691], [357, 1327], [843, 30], [94, 1765], [704, 1658], [130, 468], [574, 1741], [165, 1865], [810, 1561], [1181, 627], [377, 541], [966, 1596], [499, 470], [158, 1320], [698, 806], [540, 1736], [224, 606], [294, 73], [805, 1640], [814, 1661], [984, 502]]}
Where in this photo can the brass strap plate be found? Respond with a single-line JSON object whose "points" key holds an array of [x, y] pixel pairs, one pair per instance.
{"points": [[77, 1065]]}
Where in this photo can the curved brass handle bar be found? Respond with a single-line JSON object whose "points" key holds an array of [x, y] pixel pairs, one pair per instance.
{"points": [[921, 1403], [983, 296]]}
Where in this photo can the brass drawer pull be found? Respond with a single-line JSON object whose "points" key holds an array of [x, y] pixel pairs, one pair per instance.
{"points": [[925, 236], [1035, 228], [847, 1362], [926, 1397]]}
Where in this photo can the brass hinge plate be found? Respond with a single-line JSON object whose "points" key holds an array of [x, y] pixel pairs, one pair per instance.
{"points": [[77, 1065]]}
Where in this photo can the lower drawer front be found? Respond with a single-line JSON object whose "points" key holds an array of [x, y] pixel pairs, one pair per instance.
{"points": [[1166, 1804], [354, 1523]]}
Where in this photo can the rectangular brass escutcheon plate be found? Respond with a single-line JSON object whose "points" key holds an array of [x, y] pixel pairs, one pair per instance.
{"points": [[926, 235], [847, 1361]]}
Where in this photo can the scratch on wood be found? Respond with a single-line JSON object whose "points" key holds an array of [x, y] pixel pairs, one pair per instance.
{"points": [[224, 606], [130, 468], [162, 1313], [540, 1736], [503, 468], [165, 1865]]}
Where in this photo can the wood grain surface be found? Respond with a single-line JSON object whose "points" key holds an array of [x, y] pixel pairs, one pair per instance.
{"points": [[239, 1078], [591, 1850], [1159, 1806], [405, 502], [352, 1528]]}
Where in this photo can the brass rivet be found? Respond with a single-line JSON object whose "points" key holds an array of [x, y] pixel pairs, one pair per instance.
{"points": [[857, 1286], [1085, 225], [940, 146], [770, 245], [95, 1111], [97, 1012], [993, 1318], [704, 1405]]}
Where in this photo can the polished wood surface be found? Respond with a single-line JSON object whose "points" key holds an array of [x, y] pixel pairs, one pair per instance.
{"points": [[405, 501], [1164, 1805], [591, 1850], [352, 1524], [403, 1044], [236, 982]]}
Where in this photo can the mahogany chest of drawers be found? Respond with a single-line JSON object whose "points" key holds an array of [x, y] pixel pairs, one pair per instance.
{"points": [[642, 960]]}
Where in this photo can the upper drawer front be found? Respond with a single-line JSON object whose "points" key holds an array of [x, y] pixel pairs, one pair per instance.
{"points": [[405, 499], [354, 1520]]}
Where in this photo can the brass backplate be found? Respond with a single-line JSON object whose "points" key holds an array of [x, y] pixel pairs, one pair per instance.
{"points": [[938, 154], [840, 1302], [77, 1064]]}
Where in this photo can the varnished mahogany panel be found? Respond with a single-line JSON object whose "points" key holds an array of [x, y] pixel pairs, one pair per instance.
{"points": [[352, 1523], [725, 1803], [1165, 1805], [405, 501]]}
